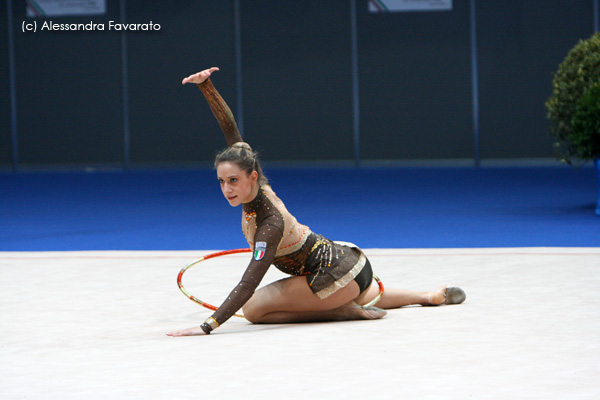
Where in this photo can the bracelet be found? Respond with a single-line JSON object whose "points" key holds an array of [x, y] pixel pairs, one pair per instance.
{"points": [[211, 323], [206, 328]]}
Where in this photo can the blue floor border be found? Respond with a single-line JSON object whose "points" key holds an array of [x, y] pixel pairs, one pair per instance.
{"points": [[374, 207]]}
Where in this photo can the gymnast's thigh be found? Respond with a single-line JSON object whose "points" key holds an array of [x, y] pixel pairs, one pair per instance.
{"points": [[294, 295]]}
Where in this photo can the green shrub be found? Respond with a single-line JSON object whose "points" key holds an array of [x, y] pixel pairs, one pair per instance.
{"points": [[574, 107], [586, 124]]}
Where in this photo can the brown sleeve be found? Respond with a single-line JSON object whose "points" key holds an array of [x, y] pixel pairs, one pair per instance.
{"points": [[222, 112], [270, 235]]}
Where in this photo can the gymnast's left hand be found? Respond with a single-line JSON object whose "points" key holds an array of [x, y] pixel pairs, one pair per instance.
{"points": [[199, 77], [195, 331]]}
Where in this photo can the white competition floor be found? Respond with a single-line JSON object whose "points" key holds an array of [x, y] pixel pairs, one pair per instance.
{"points": [[91, 325]]}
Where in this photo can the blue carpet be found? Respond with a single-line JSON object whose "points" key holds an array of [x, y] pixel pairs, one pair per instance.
{"points": [[372, 207]]}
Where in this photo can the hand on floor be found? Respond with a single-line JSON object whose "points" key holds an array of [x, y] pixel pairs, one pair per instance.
{"points": [[195, 331]]}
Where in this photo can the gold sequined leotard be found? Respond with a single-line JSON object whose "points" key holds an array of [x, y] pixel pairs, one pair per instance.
{"points": [[278, 239]]}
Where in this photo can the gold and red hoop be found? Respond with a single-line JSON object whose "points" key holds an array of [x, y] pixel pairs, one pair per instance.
{"points": [[199, 260], [378, 297]]}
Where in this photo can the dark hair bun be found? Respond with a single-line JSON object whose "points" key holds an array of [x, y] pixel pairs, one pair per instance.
{"points": [[241, 145]]}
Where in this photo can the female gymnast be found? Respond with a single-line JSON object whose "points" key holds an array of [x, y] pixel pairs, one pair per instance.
{"points": [[330, 281]]}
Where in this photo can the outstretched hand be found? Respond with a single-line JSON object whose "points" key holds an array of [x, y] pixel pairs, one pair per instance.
{"points": [[195, 331], [199, 77]]}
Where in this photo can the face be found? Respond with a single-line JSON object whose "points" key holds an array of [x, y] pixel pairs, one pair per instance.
{"points": [[236, 184]]}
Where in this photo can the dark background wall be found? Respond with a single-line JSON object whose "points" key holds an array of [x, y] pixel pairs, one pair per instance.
{"points": [[415, 84], [68, 93], [298, 78], [102, 98], [169, 122], [521, 44]]}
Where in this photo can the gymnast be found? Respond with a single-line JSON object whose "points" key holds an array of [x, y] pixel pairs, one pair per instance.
{"points": [[330, 281]]}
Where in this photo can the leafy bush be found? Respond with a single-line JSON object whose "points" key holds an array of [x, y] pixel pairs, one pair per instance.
{"points": [[586, 124], [574, 107]]}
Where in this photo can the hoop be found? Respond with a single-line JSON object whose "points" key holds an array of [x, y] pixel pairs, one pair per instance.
{"points": [[199, 260], [235, 251], [376, 299]]}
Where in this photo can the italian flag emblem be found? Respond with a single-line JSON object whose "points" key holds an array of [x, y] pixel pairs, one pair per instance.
{"points": [[259, 250]]}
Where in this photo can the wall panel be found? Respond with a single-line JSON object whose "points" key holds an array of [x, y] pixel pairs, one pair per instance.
{"points": [[69, 92], [415, 84], [520, 45], [297, 79], [171, 123]]}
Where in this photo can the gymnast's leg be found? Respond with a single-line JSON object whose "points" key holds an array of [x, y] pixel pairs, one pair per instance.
{"points": [[396, 298], [291, 300]]}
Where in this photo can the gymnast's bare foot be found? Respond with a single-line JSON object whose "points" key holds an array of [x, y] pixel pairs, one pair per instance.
{"points": [[447, 295]]}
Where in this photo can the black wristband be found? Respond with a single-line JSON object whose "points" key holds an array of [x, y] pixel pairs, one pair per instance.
{"points": [[206, 328]]}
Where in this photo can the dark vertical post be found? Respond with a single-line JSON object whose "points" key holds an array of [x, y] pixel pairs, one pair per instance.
{"points": [[596, 16], [475, 84], [125, 84], [238, 67], [355, 92], [13, 88]]}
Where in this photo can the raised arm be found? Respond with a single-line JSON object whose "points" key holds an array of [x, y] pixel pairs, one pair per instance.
{"points": [[219, 107]]}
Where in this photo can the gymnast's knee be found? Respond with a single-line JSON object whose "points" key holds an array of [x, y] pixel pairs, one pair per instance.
{"points": [[252, 314]]}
